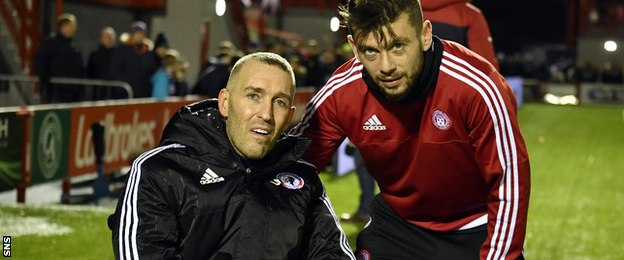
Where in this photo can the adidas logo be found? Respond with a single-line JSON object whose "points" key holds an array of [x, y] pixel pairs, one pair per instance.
{"points": [[210, 177], [373, 123]]}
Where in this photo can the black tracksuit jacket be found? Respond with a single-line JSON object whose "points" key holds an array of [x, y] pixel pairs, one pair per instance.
{"points": [[193, 198]]}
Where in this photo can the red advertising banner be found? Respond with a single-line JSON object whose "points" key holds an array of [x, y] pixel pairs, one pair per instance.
{"points": [[129, 130]]}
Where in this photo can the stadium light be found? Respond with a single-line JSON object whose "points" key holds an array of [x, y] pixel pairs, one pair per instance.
{"points": [[564, 100], [334, 24], [610, 46], [220, 7]]}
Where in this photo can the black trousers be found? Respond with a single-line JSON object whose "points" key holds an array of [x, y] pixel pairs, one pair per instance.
{"points": [[388, 236]]}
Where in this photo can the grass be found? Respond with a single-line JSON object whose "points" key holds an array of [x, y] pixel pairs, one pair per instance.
{"points": [[57, 231], [577, 193], [576, 208]]}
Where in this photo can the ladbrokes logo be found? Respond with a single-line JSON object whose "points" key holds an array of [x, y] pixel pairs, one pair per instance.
{"points": [[122, 140]]}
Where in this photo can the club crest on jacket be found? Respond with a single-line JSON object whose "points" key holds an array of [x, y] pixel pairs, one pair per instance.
{"points": [[290, 180], [441, 120]]}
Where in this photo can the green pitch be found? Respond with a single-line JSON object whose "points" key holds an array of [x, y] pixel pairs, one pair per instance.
{"points": [[576, 208]]}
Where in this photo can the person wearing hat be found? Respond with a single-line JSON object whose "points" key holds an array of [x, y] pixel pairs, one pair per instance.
{"points": [[161, 44], [134, 64], [214, 75]]}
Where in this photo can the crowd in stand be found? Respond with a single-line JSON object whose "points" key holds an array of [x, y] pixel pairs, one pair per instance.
{"points": [[563, 70], [154, 69]]}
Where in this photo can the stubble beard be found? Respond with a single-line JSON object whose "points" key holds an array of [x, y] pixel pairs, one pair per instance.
{"points": [[396, 96]]}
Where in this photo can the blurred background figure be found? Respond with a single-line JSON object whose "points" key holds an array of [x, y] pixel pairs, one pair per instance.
{"points": [[134, 64], [182, 85], [59, 56], [301, 72], [611, 73], [161, 44], [462, 22], [310, 58], [214, 75], [589, 72], [163, 81], [98, 64]]}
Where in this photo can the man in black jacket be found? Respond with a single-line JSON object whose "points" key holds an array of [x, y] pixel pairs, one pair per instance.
{"points": [[134, 63], [59, 56], [98, 65], [226, 183]]}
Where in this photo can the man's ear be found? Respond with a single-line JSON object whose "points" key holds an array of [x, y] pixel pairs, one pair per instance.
{"points": [[224, 99], [427, 35], [290, 117], [353, 47]]}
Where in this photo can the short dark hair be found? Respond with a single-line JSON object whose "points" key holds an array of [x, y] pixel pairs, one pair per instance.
{"points": [[371, 16]]}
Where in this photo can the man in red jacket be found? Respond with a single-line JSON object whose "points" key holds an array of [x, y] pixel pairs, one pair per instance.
{"points": [[437, 127], [462, 22]]}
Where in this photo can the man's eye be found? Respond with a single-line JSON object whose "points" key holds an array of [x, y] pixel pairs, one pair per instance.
{"points": [[369, 51], [253, 96], [398, 46], [281, 103]]}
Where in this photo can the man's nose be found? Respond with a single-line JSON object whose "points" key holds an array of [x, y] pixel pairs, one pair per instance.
{"points": [[265, 110], [386, 65]]}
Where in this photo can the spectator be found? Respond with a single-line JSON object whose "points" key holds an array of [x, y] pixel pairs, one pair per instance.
{"points": [[310, 58], [161, 44], [59, 56], [163, 81], [611, 73], [134, 64], [221, 185], [512, 65], [98, 65], [462, 22], [181, 80], [589, 72], [301, 72], [214, 74], [327, 62]]}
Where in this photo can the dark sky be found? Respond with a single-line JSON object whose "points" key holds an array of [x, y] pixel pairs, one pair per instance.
{"points": [[514, 24]]}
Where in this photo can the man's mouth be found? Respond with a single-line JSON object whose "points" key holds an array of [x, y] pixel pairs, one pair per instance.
{"points": [[390, 83], [260, 131]]}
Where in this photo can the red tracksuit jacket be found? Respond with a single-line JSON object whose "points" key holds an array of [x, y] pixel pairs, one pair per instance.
{"points": [[452, 159], [462, 22]]}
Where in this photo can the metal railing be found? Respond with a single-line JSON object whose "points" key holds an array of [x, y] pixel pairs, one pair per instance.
{"points": [[29, 96]]}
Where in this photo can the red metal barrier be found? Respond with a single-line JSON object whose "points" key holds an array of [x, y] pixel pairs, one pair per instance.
{"points": [[27, 31]]}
